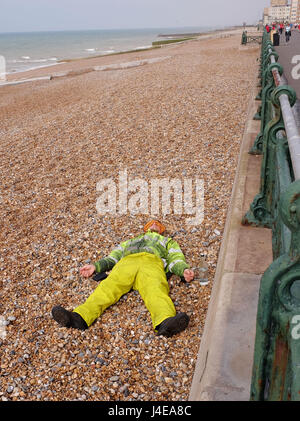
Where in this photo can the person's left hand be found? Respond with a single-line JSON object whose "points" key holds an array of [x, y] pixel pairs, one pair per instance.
{"points": [[188, 275], [87, 270]]}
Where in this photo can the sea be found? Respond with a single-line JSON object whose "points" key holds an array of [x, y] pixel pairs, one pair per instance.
{"points": [[30, 50]]}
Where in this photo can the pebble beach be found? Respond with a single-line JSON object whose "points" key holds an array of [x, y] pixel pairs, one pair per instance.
{"points": [[174, 112]]}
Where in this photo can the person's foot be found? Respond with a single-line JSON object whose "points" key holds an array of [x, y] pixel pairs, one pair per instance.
{"points": [[68, 318], [173, 325]]}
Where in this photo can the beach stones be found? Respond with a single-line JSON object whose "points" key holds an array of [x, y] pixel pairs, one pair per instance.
{"points": [[177, 118]]}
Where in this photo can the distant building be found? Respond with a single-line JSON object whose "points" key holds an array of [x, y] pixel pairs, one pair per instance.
{"points": [[279, 3], [280, 11], [294, 9], [266, 15]]}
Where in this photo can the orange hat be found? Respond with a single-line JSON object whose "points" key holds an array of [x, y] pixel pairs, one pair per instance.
{"points": [[162, 228]]}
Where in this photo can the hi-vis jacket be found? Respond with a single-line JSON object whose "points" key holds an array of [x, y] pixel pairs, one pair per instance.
{"points": [[165, 248]]}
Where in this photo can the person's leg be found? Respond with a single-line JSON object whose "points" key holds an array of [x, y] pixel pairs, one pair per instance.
{"points": [[109, 291], [152, 284]]}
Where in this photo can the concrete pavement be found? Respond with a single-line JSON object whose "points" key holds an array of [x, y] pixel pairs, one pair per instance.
{"points": [[286, 51], [224, 365]]}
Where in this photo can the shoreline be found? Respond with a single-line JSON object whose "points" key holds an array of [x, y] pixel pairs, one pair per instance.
{"points": [[46, 70], [136, 50]]}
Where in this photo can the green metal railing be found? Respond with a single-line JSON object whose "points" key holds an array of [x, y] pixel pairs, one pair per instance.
{"points": [[247, 38], [276, 364]]}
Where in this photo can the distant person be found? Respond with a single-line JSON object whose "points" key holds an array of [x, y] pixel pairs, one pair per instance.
{"points": [[272, 35], [281, 28], [276, 39], [287, 33]]}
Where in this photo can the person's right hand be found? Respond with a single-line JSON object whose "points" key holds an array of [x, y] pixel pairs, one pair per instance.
{"points": [[87, 270], [188, 275]]}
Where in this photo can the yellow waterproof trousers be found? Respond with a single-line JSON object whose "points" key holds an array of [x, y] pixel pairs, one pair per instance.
{"points": [[143, 272]]}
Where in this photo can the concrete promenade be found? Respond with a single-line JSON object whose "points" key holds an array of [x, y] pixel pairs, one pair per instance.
{"points": [[224, 365], [291, 70], [286, 51]]}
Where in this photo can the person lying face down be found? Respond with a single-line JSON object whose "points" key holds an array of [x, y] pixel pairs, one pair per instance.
{"points": [[141, 264]]}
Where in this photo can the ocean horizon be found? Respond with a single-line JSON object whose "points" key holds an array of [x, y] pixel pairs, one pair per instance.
{"points": [[30, 50]]}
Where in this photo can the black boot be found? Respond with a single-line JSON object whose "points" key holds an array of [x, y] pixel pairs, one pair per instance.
{"points": [[173, 325], [68, 318]]}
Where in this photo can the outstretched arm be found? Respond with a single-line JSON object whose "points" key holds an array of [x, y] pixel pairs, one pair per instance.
{"points": [[177, 263], [103, 265]]}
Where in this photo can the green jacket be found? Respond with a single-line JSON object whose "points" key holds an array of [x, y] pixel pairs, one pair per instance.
{"points": [[165, 248]]}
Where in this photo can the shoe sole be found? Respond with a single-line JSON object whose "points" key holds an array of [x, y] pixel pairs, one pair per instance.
{"points": [[61, 316], [175, 325]]}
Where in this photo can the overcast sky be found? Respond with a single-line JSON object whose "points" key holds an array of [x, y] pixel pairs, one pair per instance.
{"points": [[48, 15]]}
